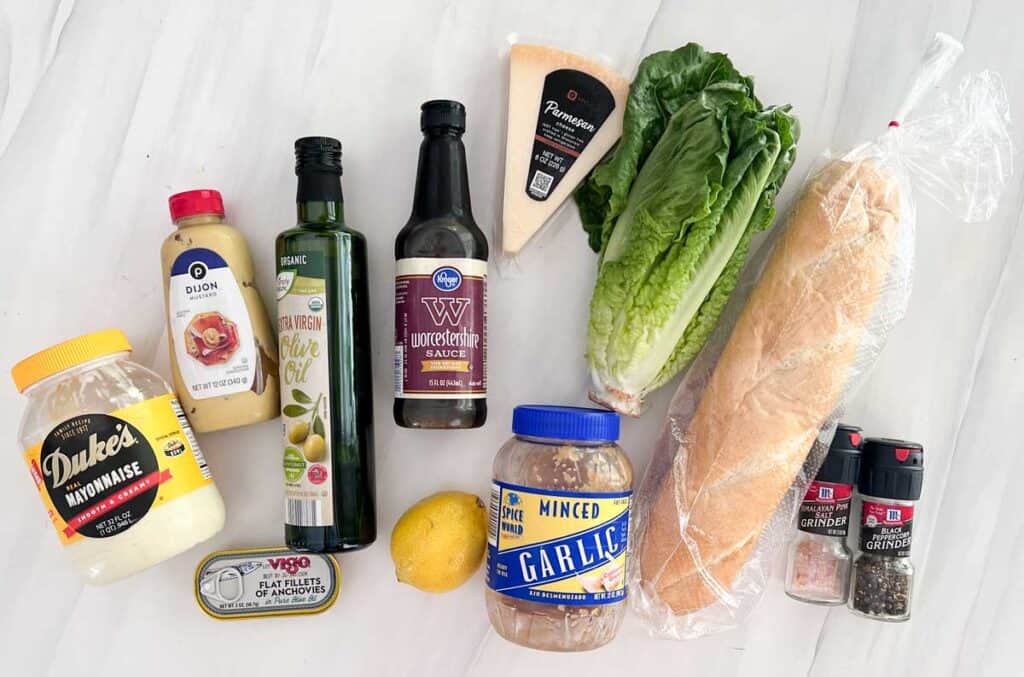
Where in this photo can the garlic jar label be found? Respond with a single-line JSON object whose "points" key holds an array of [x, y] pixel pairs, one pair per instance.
{"points": [[100, 474], [559, 547], [211, 333]]}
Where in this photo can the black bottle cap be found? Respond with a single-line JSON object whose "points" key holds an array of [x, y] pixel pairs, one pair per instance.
{"points": [[891, 469], [443, 113], [842, 463], [317, 154]]}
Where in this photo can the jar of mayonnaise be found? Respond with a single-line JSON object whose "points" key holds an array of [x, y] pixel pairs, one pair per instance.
{"points": [[559, 521], [113, 458]]}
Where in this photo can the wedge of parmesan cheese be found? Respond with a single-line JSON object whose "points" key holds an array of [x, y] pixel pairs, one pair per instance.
{"points": [[564, 113]]}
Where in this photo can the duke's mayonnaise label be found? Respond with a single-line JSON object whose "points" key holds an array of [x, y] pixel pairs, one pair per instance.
{"points": [[561, 547]]}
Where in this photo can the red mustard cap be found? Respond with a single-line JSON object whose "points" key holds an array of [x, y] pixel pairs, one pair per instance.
{"points": [[192, 202]]}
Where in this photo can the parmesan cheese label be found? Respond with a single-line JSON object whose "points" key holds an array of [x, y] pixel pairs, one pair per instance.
{"points": [[100, 474], [573, 107]]}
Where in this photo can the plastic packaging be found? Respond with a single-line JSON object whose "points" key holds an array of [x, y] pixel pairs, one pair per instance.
{"points": [[113, 458], [960, 156], [557, 538], [575, 120]]}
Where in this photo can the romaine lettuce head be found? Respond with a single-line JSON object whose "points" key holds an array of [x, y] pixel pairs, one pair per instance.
{"points": [[673, 210]]}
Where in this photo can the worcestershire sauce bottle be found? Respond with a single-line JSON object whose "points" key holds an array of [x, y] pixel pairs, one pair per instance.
{"points": [[323, 321], [441, 287]]}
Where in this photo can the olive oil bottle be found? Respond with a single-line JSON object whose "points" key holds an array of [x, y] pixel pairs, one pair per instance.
{"points": [[323, 319]]}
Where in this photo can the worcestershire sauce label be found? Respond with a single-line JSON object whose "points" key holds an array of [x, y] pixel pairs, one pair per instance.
{"points": [[100, 474], [558, 547], [440, 328], [886, 529], [573, 107], [825, 509]]}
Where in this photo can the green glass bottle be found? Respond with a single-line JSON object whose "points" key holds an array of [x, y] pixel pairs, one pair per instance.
{"points": [[323, 319]]}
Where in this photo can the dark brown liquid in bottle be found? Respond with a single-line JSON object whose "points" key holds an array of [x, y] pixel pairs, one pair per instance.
{"points": [[441, 226]]}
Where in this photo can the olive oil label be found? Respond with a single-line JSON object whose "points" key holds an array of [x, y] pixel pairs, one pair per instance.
{"points": [[305, 393], [559, 547], [886, 528], [99, 475], [440, 328], [573, 107], [210, 331], [825, 509]]}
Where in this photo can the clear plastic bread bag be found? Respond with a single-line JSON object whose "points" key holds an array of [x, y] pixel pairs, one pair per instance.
{"points": [[959, 155]]}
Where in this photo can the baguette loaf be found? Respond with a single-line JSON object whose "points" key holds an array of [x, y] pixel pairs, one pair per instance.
{"points": [[778, 378]]}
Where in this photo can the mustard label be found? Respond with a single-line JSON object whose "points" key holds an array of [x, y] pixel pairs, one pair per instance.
{"points": [[100, 474], [562, 547]]}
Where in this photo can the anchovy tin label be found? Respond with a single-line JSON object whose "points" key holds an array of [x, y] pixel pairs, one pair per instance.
{"points": [[266, 582]]}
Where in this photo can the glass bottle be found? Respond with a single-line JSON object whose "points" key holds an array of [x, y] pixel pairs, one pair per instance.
{"points": [[891, 476], [440, 357], [818, 566], [326, 377], [557, 541]]}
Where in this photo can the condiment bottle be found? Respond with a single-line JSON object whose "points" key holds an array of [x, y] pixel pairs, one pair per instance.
{"points": [[891, 475], [440, 359], [323, 320], [223, 357], [113, 458], [558, 531], [818, 567]]}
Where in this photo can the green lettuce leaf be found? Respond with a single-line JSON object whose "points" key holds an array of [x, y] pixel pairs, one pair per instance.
{"points": [[664, 82], [673, 210]]}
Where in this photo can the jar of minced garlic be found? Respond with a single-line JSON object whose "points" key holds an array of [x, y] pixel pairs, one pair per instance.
{"points": [[113, 458], [558, 532]]}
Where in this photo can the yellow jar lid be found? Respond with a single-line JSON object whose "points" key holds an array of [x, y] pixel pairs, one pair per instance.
{"points": [[56, 359]]}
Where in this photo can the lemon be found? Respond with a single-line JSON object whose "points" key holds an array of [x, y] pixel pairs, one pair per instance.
{"points": [[439, 542]]}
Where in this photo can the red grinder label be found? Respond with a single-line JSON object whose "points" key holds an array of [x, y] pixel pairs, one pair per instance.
{"points": [[825, 509], [441, 328], [886, 528]]}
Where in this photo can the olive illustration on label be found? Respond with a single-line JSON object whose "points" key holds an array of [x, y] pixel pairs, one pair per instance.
{"points": [[315, 448], [310, 434], [298, 432]]}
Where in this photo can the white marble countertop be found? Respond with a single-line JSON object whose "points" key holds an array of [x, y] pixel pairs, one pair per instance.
{"points": [[108, 107]]}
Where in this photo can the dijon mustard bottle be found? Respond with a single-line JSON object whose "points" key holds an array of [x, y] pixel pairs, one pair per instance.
{"points": [[223, 354]]}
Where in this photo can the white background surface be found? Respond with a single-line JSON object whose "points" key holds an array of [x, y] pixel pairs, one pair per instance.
{"points": [[108, 107]]}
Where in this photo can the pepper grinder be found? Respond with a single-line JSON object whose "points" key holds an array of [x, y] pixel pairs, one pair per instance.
{"points": [[818, 566], [891, 475]]}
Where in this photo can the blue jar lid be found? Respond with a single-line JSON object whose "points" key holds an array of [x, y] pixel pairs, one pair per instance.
{"points": [[565, 423]]}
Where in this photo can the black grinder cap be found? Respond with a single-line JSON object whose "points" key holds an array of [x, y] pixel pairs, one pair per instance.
{"points": [[317, 155], [843, 460], [891, 469], [442, 114]]}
